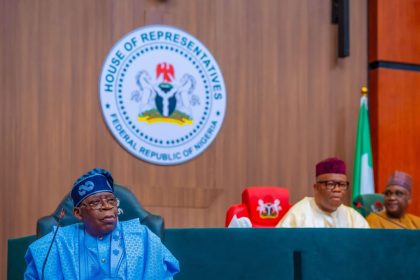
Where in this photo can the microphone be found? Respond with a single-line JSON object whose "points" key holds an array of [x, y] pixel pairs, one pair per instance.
{"points": [[62, 213]]}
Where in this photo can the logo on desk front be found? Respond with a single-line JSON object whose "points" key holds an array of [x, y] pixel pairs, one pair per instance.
{"points": [[162, 95]]}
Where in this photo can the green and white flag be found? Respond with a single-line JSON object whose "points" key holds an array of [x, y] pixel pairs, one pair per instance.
{"points": [[363, 171]]}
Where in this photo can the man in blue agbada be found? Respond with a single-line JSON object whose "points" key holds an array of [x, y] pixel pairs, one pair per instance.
{"points": [[100, 247]]}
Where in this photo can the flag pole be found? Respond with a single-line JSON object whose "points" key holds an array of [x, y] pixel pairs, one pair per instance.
{"points": [[364, 91]]}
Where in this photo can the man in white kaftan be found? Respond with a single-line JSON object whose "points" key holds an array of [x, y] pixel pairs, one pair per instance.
{"points": [[325, 209]]}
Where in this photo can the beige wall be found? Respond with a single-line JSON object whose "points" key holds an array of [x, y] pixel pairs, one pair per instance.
{"points": [[290, 103]]}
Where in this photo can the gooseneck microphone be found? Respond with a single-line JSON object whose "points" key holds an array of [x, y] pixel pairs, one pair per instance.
{"points": [[62, 212]]}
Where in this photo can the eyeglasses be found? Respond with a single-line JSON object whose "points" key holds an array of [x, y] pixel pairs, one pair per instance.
{"points": [[389, 193], [330, 185], [97, 204]]}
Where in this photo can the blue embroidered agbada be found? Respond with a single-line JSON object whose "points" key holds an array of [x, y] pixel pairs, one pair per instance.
{"points": [[130, 251]]}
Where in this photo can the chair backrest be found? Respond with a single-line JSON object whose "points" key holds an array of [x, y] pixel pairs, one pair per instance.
{"points": [[128, 208], [367, 203], [263, 205]]}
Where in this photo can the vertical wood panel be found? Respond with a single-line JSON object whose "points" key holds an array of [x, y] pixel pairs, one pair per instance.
{"points": [[396, 127], [394, 96], [393, 30], [291, 102]]}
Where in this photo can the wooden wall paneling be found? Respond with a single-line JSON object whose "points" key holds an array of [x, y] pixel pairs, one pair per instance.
{"points": [[290, 103], [394, 28], [394, 93], [8, 132], [373, 30], [396, 127], [373, 100]]}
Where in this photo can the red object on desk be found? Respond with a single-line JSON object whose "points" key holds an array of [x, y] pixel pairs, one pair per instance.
{"points": [[263, 205]]}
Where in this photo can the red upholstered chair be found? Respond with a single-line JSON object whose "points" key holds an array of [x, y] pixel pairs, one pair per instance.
{"points": [[263, 205]]}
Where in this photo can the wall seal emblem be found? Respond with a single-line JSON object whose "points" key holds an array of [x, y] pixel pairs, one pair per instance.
{"points": [[162, 94]]}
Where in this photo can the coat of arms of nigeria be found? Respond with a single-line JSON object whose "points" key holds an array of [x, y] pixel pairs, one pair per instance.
{"points": [[163, 98]]}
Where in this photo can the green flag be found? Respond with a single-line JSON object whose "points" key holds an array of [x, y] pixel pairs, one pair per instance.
{"points": [[363, 171]]}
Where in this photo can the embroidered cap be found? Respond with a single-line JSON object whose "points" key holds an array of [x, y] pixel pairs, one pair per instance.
{"points": [[330, 165], [94, 181], [401, 179]]}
